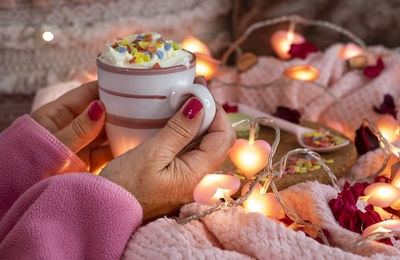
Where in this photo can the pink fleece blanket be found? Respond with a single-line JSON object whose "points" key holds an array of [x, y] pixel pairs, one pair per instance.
{"points": [[237, 234], [68, 216]]}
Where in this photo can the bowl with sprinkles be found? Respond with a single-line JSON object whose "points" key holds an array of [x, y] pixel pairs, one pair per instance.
{"points": [[321, 138]]}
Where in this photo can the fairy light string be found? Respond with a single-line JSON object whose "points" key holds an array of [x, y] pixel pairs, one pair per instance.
{"points": [[372, 237], [293, 19], [266, 175], [282, 82]]}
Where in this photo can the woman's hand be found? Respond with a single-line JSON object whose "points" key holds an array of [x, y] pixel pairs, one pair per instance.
{"points": [[77, 120], [157, 174]]}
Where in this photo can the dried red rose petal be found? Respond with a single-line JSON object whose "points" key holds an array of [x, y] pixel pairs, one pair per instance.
{"points": [[286, 220], [345, 211], [291, 115], [365, 140], [301, 50], [230, 109], [387, 107], [369, 217], [374, 71]]}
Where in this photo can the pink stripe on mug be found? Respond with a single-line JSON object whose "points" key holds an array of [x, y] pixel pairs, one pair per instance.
{"points": [[130, 95], [136, 123]]}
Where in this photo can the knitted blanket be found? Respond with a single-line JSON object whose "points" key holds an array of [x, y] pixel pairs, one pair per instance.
{"points": [[237, 234]]}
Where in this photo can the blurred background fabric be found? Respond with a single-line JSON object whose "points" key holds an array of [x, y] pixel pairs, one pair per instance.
{"points": [[82, 27]]}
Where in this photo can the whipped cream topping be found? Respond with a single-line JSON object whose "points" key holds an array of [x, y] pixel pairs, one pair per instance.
{"points": [[145, 51]]}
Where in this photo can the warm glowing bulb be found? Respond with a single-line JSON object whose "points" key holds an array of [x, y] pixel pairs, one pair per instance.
{"points": [[193, 45], [290, 36], [248, 158], [389, 128], [396, 179], [382, 194], [215, 186], [282, 40], [263, 203], [302, 72], [252, 204], [381, 229], [48, 36], [349, 51], [221, 193], [384, 226], [396, 205], [206, 66]]}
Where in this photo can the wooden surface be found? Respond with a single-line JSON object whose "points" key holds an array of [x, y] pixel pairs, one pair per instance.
{"points": [[344, 159]]}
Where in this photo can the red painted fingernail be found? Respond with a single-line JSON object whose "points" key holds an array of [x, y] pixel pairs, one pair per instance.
{"points": [[192, 108], [95, 111]]}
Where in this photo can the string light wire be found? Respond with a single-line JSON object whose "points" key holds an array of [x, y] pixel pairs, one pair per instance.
{"points": [[266, 175]]}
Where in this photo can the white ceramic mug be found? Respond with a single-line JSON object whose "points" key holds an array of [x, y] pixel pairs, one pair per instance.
{"points": [[139, 102]]}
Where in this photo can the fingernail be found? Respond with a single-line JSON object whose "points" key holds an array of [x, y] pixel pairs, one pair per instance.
{"points": [[95, 111], [192, 108]]}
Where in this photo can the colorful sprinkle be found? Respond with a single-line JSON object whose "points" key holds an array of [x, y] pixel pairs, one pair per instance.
{"points": [[124, 42], [121, 49], [160, 54], [132, 60], [144, 45], [321, 138], [156, 66], [167, 46], [139, 55], [133, 51], [144, 48], [302, 165], [159, 45], [152, 49], [176, 46]]}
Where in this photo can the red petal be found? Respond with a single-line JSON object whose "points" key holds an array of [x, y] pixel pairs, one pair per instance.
{"points": [[374, 71], [302, 50]]}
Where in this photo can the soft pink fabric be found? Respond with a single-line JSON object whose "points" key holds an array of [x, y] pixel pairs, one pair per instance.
{"points": [[69, 216], [237, 234], [28, 154]]}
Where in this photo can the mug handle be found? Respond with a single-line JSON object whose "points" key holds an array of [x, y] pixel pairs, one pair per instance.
{"points": [[179, 95]]}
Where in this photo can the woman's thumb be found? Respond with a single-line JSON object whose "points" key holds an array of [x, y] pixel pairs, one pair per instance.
{"points": [[180, 129], [84, 128]]}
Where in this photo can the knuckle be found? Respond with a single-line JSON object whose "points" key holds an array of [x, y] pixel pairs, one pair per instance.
{"points": [[180, 131], [79, 128]]}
